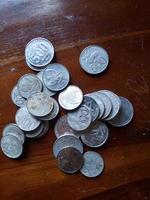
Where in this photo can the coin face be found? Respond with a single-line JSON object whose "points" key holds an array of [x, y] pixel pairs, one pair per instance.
{"points": [[25, 120], [35, 133], [37, 69], [56, 77], [69, 160], [17, 99], [70, 98], [94, 59], [93, 164], [124, 115], [40, 104], [79, 119], [29, 84], [67, 141], [96, 135], [45, 129], [11, 146], [39, 52]]}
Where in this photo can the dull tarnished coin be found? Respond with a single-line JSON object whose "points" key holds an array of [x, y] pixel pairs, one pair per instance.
{"points": [[45, 129], [56, 77], [35, 133], [25, 120], [124, 115], [94, 59], [40, 104], [93, 164], [71, 97], [29, 84], [96, 135], [17, 99], [11, 146], [79, 119], [67, 141], [70, 160]]}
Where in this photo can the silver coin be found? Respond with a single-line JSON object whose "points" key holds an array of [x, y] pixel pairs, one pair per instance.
{"points": [[96, 135], [45, 89], [45, 129], [71, 97], [40, 104], [66, 141], [62, 128], [25, 120], [29, 84], [124, 115], [35, 133], [17, 99], [93, 164], [11, 146], [79, 119], [39, 52], [56, 77], [15, 131], [94, 59], [116, 103], [37, 69], [53, 113]]}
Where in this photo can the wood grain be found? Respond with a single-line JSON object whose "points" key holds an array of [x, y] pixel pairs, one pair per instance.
{"points": [[123, 28]]}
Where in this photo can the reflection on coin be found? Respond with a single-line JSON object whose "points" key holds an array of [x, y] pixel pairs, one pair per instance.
{"points": [[45, 129], [40, 104], [71, 97], [79, 119], [93, 164], [70, 160], [56, 77], [66, 141], [96, 135], [25, 120], [39, 52], [36, 132], [94, 59], [11, 146], [29, 84], [124, 115], [17, 99]]}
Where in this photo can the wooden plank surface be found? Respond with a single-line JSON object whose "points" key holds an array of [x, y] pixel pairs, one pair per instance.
{"points": [[123, 28]]}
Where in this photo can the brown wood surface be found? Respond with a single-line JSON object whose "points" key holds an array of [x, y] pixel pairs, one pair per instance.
{"points": [[123, 28]]}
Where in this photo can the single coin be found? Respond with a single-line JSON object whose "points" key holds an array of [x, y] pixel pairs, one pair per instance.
{"points": [[37, 69], [66, 141], [56, 77], [40, 104], [17, 99], [25, 120], [96, 135], [45, 129], [94, 59], [35, 133], [39, 52], [93, 164], [116, 103], [29, 84], [71, 97], [62, 128], [70, 160], [45, 89], [124, 115], [11, 146]]}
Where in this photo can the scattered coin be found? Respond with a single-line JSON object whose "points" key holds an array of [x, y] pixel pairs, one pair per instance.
{"points": [[45, 129], [17, 99], [37, 69], [35, 133]]}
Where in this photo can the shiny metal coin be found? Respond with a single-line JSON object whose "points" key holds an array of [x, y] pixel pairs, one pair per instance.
{"points": [[17, 99], [35, 133], [45, 129], [62, 128], [45, 89], [25, 120], [124, 115], [94, 59], [79, 119], [37, 69], [93, 164], [96, 135], [11, 146], [56, 77], [67, 141], [29, 84], [71, 97], [40, 104], [70, 160], [39, 52]]}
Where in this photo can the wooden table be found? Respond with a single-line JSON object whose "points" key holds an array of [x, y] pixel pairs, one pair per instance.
{"points": [[123, 28]]}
